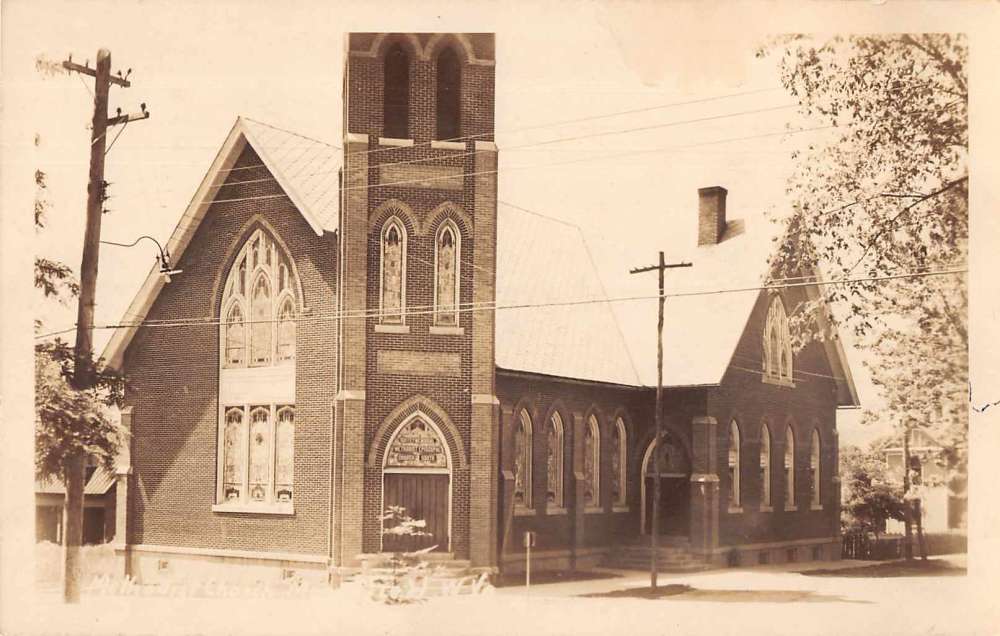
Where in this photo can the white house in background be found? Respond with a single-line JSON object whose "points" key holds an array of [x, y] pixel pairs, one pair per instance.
{"points": [[943, 501]]}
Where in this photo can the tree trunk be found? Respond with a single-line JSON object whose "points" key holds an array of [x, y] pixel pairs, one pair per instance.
{"points": [[907, 508], [918, 514], [73, 528]]}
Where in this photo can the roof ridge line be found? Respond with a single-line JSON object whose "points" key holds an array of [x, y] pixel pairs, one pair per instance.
{"points": [[539, 214], [290, 132]]}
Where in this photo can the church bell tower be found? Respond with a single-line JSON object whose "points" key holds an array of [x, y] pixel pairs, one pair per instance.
{"points": [[416, 412]]}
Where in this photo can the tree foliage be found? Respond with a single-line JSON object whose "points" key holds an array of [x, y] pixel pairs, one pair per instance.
{"points": [[871, 497], [886, 193], [68, 421]]}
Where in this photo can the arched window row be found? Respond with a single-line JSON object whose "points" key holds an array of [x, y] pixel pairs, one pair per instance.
{"points": [[396, 94], [259, 306], [766, 464], [777, 344], [447, 273], [556, 461], [258, 454]]}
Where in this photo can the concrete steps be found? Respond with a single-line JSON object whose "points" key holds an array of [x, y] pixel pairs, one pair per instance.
{"points": [[670, 558]]}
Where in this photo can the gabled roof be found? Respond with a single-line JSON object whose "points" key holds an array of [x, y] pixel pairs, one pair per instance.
{"points": [[702, 330], [540, 261], [99, 483], [306, 170]]}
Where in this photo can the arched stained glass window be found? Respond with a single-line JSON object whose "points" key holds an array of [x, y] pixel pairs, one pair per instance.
{"points": [[446, 285], [777, 345], [449, 80], [284, 455], [619, 472], [396, 105], [789, 468], [814, 469], [734, 465], [592, 463], [234, 455], [286, 331], [522, 460], [259, 329], [235, 337], [765, 466], [260, 453], [393, 271], [554, 492]]}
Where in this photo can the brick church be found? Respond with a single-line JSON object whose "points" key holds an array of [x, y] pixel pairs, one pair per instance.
{"points": [[331, 349]]}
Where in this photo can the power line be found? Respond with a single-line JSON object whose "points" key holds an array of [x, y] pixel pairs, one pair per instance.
{"points": [[493, 305]]}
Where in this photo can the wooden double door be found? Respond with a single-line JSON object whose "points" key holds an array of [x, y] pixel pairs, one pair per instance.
{"points": [[424, 496], [674, 508]]}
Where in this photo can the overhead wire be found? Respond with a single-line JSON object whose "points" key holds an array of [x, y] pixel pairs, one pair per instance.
{"points": [[494, 305]]}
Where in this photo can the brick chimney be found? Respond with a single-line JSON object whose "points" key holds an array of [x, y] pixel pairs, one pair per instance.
{"points": [[711, 214]]}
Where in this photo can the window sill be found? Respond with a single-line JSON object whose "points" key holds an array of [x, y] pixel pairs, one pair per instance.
{"points": [[438, 330], [620, 509], [735, 510], [448, 145], [384, 328], [766, 509], [816, 507], [261, 509], [555, 510], [592, 510], [394, 141], [524, 512], [778, 381], [791, 508]]}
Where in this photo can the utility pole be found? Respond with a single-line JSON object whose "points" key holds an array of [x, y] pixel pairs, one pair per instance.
{"points": [[83, 365], [658, 416]]}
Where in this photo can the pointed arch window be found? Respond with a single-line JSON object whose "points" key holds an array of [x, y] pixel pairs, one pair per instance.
{"points": [[777, 345], [393, 281], [592, 463], [396, 96], [235, 337], [554, 464], [765, 466], [449, 79], [789, 468], [734, 466], [814, 470], [619, 464], [260, 304], [446, 276], [522, 461]]}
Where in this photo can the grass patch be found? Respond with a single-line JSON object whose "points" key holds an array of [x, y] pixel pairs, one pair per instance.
{"points": [[891, 569]]}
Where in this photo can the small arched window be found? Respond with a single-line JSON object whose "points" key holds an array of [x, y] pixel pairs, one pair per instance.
{"points": [[236, 337], [259, 304], [734, 465], [789, 468], [449, 78], [554, 493], [765, 466], [814, 469], [393, 272], [522, 461], [396, 104], [619, 464], [447, 252], [592, 463], [777, 344]]}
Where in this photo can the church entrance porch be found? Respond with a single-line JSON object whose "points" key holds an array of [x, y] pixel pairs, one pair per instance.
{"points": [[675, 490], [416, 483]]}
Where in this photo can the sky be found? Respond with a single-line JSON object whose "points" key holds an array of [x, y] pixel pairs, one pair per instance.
{"points": [[199, 66]]}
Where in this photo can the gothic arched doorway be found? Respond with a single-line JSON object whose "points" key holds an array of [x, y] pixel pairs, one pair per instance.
{"points": [[675, 489], [416, 476]]}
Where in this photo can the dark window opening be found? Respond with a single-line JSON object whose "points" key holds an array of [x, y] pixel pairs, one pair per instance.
{"points": [[396, 108], [449, 77]]}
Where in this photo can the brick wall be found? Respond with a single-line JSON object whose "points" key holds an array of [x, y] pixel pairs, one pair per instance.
{"points": [[173, 384], [810, 404], [471, 204]]}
